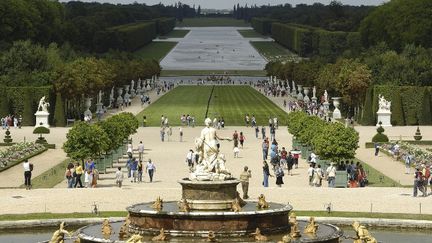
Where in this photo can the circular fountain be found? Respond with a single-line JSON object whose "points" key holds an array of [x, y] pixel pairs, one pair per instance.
{"points": [[210, 207]]}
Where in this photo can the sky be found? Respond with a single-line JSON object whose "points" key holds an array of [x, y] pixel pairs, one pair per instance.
{"points": [[228, 4]]}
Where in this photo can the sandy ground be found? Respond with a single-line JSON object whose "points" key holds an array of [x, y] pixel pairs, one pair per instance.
{"points": [[169, 158], [213, 48]]}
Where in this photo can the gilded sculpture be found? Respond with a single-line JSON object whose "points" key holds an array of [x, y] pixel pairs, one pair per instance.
{"points": [[59, 235], [362, 234], [158, 204], [258, 236], [161, 236], [235, 206], [262, 203], [295, 232], [124, 233], [285, 239], [211, 237], [106, 229], [311, 227], [135, 239], [184, 206]]}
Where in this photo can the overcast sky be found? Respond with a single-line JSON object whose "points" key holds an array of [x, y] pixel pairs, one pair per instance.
{"points": [[228, 4]]}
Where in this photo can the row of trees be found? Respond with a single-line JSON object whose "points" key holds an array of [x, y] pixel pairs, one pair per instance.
{"points": [[86, 140], [46, 21], [331, 141], [333, 17]]}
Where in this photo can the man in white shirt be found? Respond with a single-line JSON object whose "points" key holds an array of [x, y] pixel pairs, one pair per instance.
{"points": [[313, 158], [331, 175], [140, 150], [189, 158], [311, 172]]}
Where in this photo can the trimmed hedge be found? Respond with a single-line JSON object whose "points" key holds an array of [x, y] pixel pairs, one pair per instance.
{"points": [[410, 105], [262, 25], [129, 37], [308, 41], [165, 25], [23, 101]]}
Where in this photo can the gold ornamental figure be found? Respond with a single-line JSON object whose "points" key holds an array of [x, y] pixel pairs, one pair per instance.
{"points": [[295, 232], [59, 235], [362, 234], [158, 204], [106, 229], [311, 227], [184, 206], [262, 203], [161, 236], [235, 206], [258, 236]]}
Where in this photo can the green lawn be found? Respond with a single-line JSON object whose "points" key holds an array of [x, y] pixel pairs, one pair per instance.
{"points": [[254, 73], [273, 51], [211, 22], [175, 34], [250, 34], [155, 50], [234, 102], [376, 178], [229, 102], [182, 100], [51, 177]]}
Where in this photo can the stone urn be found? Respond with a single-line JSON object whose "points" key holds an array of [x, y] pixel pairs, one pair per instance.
{"points": [[300, 95], [336, 112], [119, 97], [306, 93]]}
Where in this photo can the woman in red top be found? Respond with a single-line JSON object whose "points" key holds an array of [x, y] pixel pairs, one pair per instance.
{"points": [[241, 139]]}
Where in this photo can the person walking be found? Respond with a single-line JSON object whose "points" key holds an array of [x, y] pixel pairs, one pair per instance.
{"points": [[331, 175], [119, 177], [189, 159], [140, 171], [244, 179], [79, 172], [256, 132], [376, 146], [266, 173], [151, 169], [140, 150], [28, 168], [263, 132], [235, 138], [68, 175], [265, 148], [418, 182], [181, 134], [134, 170], [290, 163]]}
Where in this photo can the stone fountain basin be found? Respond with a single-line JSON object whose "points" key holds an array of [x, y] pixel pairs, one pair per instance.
{"points": [[145, 220]]}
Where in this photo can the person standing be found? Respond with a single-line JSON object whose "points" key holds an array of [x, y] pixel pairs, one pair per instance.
{"points": [[28, 168], [278, 170], [318, 175], [78, 171], [235, 139], [162, 134], [376, 146], [290, 163], [311, 172], [140, 171], [189, 158], [69, 177], [263, 132], [418, 182], [241, 139], [181, 134], [119, 177], [134, 169], [256, 132], [140, 150], [244, 179], [331, 175], [408, 161], [265, 147], [151, 169], [253, 121], [266, 173]]}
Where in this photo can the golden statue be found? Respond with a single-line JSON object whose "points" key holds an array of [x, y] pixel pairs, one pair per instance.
{"points": [[158, 204], [235, 206], [184, 206], [285, 239], [241, 201], [135, 239], [259, 236], [106, 229], [59, 235], [124, 233], [262, 203], [295, 232], [161, 236], [363, 235], [211, 237], [312, 227]]}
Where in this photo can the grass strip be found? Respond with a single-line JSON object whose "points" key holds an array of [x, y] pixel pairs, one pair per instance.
{"points": [[175, 34], [250, 34], [105, 214], [212, 22], [155, 50], [51, 177]]}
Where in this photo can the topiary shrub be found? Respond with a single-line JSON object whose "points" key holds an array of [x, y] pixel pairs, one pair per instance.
{"points": [[41, 130], [380, 137], [8, 138], [418, 135]]}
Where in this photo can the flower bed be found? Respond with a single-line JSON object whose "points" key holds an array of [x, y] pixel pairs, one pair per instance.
{"points": [[420, 156], [19, 152]]}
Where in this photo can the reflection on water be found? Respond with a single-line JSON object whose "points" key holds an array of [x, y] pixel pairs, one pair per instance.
{"points": [[382, 235]]}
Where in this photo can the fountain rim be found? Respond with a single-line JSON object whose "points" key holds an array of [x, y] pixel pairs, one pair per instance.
{"points": [[284, 208], [187, 181]]}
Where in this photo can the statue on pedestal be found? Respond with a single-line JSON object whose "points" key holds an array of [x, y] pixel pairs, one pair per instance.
{"points": [[43, 105], [383, 104], [211, 164], [325, 96]]}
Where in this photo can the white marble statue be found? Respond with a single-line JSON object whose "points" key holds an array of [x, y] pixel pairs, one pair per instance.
{"points": [[325, 96], [99, 100], [314, 91], [211, 164], [383, 104], [43, 105]]}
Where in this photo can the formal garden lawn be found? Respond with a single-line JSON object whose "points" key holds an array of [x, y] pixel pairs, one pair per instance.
{"points": [[175, 73], [212, 22], [229, 102], [155, 50], [175, 34], [250, 34], [273, 51]]}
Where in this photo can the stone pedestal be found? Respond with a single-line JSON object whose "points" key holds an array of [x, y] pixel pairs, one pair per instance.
{"points": [[306, 94], [209, 195], [42, 119], [300, 95], [87, 112], [385, 118]]}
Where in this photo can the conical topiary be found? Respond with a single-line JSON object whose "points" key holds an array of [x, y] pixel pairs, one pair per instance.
{"points": [[418, 135], [380, 137], [8, 138]]}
